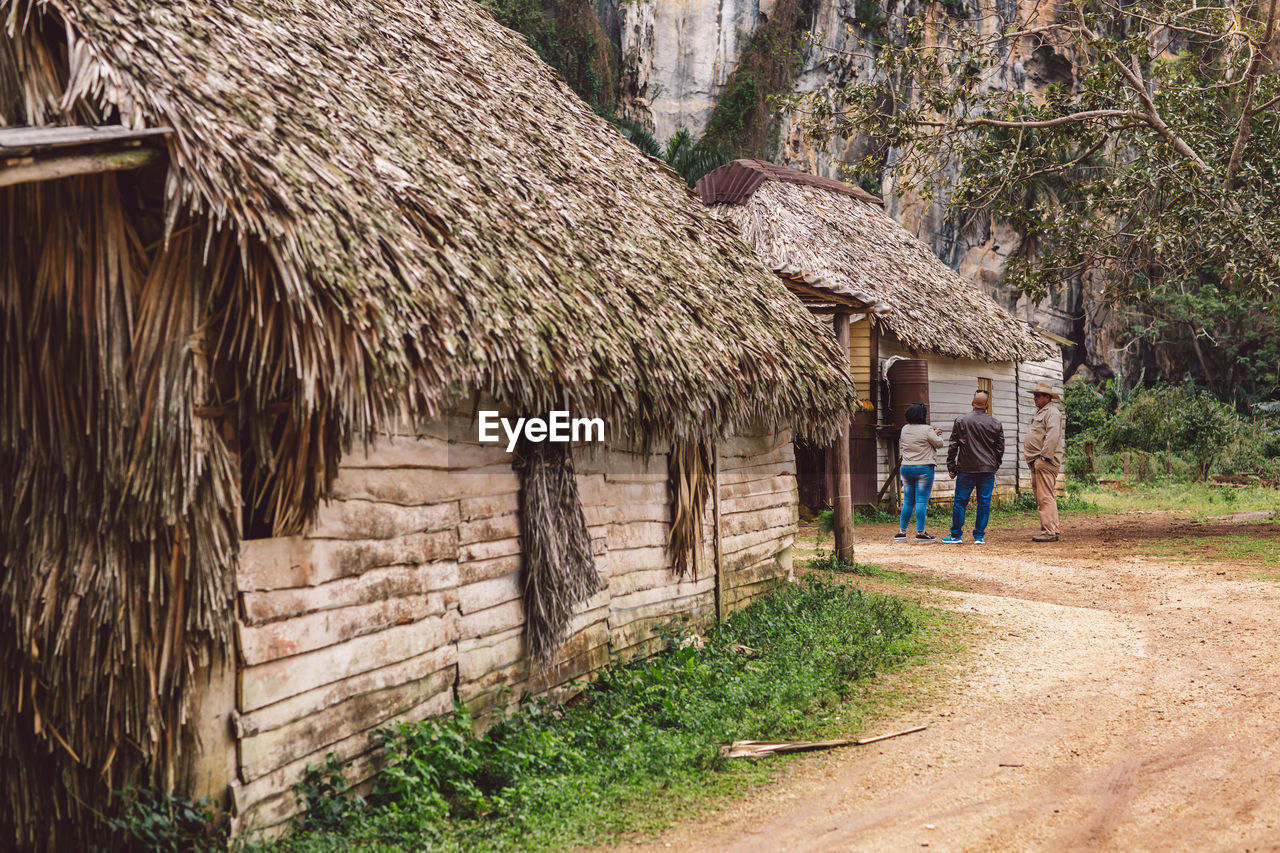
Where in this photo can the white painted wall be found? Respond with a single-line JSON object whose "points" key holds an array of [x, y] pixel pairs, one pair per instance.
{"points": [[952, 383], [1030, 374]]}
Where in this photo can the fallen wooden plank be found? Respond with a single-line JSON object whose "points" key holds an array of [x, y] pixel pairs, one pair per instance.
{"points": [[757, 748]]}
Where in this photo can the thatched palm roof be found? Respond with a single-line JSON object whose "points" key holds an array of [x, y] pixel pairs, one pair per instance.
{"points": [[842, 237], [414, 169], [372, 208]]}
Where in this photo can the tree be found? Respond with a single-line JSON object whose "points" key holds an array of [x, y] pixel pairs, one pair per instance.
{"points": [[1149, 157]]}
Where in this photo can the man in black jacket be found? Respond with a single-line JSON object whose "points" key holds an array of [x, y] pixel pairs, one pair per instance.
{"points": [[973, 457]]}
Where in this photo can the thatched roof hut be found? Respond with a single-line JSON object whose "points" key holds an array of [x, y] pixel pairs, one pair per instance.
{"points": [[363, 209], [840, 236]]}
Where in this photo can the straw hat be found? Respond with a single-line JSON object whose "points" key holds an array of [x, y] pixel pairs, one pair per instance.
{"points": [[1045, 388]]}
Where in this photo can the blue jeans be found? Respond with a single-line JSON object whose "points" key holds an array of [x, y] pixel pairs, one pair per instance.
{"points": [[965, 484], [917, 483]]}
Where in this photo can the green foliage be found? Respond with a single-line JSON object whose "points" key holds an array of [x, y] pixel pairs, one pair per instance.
{"points": [[330, 802], [691, 160], [568, 36], [743, 122], [825, 520], [1087, 408], [830, 561], [1180, 431], [862, 514], [543, 777], [639, 136], [144, 819], [1143, 151], [870, 13]]}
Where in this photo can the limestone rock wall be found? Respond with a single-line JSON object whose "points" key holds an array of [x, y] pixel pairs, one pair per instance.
{"points": [[676, 56]]}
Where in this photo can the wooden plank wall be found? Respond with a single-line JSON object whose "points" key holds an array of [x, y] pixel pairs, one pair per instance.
{"points": [[406, 595], [860, 355], [759, 514], [951, 385]]}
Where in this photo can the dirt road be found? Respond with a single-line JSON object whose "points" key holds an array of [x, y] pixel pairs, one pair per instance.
{"points": [[1123, 702]]}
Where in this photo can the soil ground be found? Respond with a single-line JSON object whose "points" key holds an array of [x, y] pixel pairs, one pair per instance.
{"points": [[1125, 698]]}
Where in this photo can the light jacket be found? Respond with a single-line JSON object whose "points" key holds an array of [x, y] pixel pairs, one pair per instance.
{"points": [[1046, 443], [919, 445]]}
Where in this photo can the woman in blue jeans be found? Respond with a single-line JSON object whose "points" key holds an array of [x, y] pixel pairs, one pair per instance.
{"points": [[919, 444]]}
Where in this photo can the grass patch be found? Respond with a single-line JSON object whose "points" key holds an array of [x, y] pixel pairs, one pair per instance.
{"points": [[641, 746], [1192, 498], [1237, 549]]}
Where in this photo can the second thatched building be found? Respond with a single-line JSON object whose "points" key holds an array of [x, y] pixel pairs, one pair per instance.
{"points": [[931, 336]]}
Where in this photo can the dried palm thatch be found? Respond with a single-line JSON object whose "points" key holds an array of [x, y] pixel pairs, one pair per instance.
{"points": [[119, 512], [370, 208], [559, 569], [413, 167], [689, 483], [848, 242]]}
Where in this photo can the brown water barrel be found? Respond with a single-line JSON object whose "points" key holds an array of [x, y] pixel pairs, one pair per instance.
{"points": [[908, 383]]}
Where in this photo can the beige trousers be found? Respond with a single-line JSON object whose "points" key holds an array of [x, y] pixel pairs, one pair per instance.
{"points": [[1043, 482]]}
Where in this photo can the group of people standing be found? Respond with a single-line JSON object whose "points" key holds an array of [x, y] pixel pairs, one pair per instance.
{"points": [[974, 452]]}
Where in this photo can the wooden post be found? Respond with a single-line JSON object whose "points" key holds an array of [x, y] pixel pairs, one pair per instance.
{"points": [[842, 505], [720, 580], [1126, 464], [1090, 454]]}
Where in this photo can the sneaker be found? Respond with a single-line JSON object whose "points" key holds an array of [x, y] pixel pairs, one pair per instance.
{"points": [[1045, 537], [900, 537], [925, 537], [979, 539], [952, 540]]}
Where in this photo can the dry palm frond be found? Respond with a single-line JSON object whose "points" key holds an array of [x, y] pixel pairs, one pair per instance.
{"points": [[440, 227], [118, 517], [689, 483], [559, 568]]}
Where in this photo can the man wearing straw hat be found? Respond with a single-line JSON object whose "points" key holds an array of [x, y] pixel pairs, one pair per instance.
{"points": [[1043, 450]]}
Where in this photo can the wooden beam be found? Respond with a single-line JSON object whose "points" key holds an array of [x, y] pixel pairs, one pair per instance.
{"points": [[719, 542], [28, 139], [80, 164], [843, 476]]}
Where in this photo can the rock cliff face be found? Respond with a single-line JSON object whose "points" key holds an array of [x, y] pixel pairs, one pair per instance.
{"points": [[677, 55]]}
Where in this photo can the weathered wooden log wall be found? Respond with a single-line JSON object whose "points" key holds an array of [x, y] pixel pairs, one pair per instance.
{"points": [[406, 595]]}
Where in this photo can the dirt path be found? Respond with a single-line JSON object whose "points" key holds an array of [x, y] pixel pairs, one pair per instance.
{"points": [[1124, 702]]}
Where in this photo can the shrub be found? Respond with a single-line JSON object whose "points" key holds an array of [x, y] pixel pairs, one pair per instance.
{"points": [[1202, 427], [1085, 408], [330, 803], [145, 819]]}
